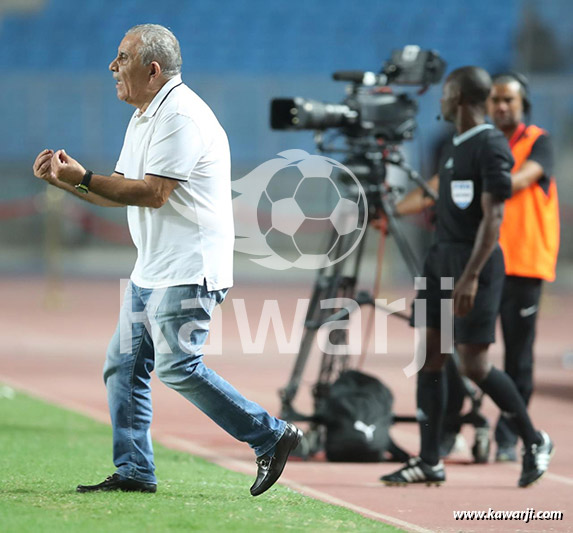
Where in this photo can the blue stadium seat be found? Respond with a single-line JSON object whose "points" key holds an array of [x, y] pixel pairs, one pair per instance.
{"points": [[254, 40], [303, 35]]}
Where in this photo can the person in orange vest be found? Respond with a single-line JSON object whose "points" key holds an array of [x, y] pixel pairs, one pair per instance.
{"points": [[529, 238]]}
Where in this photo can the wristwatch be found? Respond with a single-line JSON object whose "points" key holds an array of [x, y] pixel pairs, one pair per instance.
{"points": [[83, 187]]}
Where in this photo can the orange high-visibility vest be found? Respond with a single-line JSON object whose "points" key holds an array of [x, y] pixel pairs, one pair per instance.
{"points": [[529, 233]]}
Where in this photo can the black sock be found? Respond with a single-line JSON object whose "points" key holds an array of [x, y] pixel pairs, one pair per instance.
{"points": [[455, 394], [503, 391], [431, 401]]}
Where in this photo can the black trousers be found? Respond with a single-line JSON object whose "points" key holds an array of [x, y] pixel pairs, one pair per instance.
{"points": [[518, 312]]}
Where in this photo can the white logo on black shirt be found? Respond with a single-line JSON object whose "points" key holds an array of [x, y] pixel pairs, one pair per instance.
{"points": [[449, 164], [462, 192]]}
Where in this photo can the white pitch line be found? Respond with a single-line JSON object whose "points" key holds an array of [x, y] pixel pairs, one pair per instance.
{"points": [[549, 475], [235, 464], [242, 466], [100, 415], [557, 477]]}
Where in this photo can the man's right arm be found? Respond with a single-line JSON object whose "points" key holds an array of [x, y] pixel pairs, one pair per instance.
{"points": [[417, 200], [538, 165], [43, 170]]}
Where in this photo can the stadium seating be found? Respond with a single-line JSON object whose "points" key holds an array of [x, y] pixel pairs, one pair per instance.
{"points": [[55, 59], [256, 36]]}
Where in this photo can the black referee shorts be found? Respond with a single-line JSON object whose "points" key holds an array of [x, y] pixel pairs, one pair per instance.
{"points": [[448, 260]]}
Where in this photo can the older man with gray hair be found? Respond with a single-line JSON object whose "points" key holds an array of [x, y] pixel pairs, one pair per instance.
{"points": [[173, 174]]}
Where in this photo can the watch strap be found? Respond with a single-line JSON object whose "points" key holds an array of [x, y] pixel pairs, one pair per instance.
{"points": [[83, 187]]}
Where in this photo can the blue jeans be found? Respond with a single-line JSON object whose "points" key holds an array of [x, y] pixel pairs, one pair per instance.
{"points": [[166, 329]]}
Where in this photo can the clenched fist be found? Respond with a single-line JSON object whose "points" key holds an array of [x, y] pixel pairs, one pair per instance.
{"points": [[43, 167], [66, 168]]}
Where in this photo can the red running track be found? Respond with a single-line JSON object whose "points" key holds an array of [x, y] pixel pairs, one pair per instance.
{"points": [[55, 350]]}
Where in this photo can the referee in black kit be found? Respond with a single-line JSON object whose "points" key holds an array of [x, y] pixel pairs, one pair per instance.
{"points": [[473, 183]]}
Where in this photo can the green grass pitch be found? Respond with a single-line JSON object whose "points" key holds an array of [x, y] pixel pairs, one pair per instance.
{"points": [[46, 451]]}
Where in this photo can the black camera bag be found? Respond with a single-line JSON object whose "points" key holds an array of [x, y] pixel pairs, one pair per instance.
{"points": [[357, 414]]}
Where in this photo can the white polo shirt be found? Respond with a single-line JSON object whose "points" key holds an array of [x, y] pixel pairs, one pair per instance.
{"points": [[189, 240]]}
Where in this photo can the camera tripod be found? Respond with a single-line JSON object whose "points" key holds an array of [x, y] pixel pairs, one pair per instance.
{"points": [[339, 281]]}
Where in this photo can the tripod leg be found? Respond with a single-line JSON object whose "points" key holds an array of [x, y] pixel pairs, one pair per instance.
{"points": [[410, 258], [482, 445], [330, 283], [289, 392], [326, 286], [342, 287]]}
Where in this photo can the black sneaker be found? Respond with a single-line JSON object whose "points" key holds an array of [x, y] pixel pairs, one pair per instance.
{"points": [[416, 471], [536, 459], [114, 482]]}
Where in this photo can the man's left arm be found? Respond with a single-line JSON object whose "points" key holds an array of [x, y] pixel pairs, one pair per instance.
{"points": [[486, 240], [539, 164], [495, 173]]}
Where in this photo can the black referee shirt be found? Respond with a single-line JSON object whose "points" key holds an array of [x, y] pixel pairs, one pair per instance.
{"points": [[479, 160]]}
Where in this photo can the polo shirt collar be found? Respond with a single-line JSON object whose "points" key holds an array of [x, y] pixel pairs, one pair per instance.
{"points": [[161, 95], [459, 139]]}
